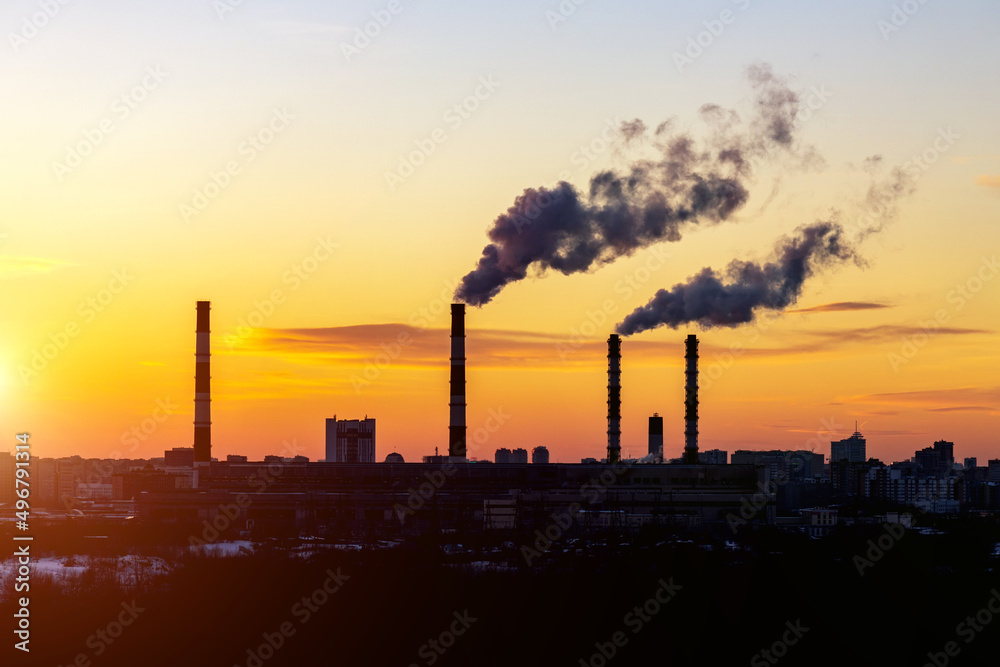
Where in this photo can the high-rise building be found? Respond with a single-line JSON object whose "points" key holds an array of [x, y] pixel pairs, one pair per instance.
{"points": [[350, 440], [937, 459], [852, 450], [993, 472], [540, 455], [503, 455], [926, 460], [946, 454]]}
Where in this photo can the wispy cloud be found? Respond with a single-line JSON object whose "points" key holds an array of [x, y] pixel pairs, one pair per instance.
{"points": [[958, 399], [988, 180], [841, 306], [408, 346], [24, 266], [965, 159], [827, 340]]}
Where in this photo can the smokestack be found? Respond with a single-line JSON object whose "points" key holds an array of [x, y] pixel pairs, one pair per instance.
{"points": [[691, 401], [202, 391], [656, 435], [614, 398], [456, 428]]}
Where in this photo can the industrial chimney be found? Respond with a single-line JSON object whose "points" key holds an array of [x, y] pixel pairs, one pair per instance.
{"points": [[456, 428], [614, 398], [691, 401], [656, 435], [202, 391]]}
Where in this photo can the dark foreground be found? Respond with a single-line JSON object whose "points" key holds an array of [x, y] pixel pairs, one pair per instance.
{"points": [[668, 602]]}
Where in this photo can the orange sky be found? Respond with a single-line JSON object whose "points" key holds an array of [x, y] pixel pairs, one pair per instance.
{"points": [[313, 262]]}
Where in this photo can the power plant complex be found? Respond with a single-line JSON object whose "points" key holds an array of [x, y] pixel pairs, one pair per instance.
{"points": [[349, 495]]}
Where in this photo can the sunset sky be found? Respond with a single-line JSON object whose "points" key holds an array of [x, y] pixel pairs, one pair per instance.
{"points": [[258, 155]]}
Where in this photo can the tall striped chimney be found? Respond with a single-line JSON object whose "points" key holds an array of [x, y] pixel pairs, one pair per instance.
{"points": [[456, 428], [614, 398], [691, 400], [202, 391]]}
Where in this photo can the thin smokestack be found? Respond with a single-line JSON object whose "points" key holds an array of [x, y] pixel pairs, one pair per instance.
{"points": [[614, 398], [202, 389], [691, 400], [456, 428]]}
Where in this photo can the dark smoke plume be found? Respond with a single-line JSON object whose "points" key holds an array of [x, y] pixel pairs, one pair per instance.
{"points": [[732, 299], [686, 184]]}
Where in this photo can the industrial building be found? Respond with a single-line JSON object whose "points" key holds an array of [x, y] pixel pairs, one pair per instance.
{"points": [[350, 495]]}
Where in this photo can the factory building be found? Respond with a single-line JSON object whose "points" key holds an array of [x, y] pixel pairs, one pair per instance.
{"points": [[349, 494], [370, 499]]}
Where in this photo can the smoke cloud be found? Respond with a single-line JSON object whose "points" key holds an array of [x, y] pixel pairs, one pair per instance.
{"points": [[686, 183], [879, 205], [733, 298]]}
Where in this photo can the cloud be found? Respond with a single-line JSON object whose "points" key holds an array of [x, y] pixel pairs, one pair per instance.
{"points": [[892, 332], [965, 159], [403, 346], [896, 432], [988, 180], [11, 267], [814, 341], [308, 28], [959, 399], [840, 306]]}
